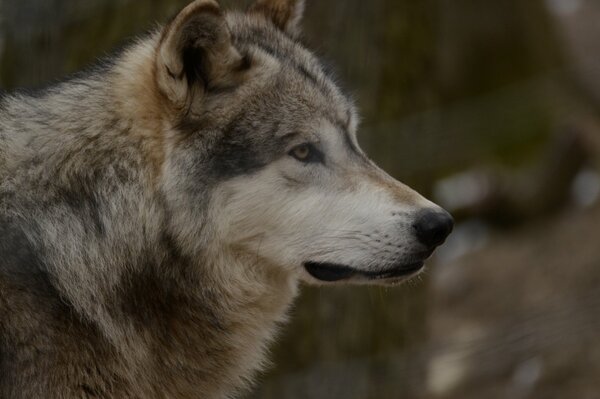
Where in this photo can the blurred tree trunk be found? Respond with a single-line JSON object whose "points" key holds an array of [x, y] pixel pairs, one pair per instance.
{"points": [[463, 83], [42, 40]]}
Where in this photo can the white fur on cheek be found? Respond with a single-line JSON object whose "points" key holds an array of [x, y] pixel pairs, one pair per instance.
{"points": [[363, 228]]}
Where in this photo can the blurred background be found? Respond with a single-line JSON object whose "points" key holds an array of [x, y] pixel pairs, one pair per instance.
{"points": [[491, 108]]}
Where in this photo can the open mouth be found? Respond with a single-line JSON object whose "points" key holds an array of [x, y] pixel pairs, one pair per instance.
{"points": [[331, 272]]}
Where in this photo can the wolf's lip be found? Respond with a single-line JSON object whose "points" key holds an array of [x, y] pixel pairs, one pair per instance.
{"points": [[331, 272]]}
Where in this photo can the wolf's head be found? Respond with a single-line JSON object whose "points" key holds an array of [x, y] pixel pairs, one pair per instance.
{"points": [[263, 159]]}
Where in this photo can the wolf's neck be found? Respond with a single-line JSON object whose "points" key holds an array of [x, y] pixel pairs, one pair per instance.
{"points": [[215, 320]]}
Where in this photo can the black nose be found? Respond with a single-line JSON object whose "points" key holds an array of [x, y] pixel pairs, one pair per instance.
{"points": [[433, 226]]}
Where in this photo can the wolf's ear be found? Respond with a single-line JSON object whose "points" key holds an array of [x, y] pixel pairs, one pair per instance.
{"points": [[285, 14], [196, 53]]}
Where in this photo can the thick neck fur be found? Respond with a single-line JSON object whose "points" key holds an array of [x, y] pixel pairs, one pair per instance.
{"points": [[80, 178]]}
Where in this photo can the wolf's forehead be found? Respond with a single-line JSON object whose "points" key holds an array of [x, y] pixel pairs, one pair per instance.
{"points": [[297, 66]]}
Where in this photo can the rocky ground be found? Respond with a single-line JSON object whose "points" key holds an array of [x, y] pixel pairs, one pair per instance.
{"points": [[520, 317]]}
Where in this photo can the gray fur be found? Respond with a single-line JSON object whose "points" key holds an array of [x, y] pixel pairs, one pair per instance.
{"points": [[117, 276]]}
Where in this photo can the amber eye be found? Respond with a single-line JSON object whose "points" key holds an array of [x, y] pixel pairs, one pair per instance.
{"points": [[302, 152], [307, 153]]}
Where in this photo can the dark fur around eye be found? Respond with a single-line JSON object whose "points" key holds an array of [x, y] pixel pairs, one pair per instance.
{"points": [[314, 155]]}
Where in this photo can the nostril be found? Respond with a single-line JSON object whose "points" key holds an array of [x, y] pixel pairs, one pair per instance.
{"points": [[432, 227]]}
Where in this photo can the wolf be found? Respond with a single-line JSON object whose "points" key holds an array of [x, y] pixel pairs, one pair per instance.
{"points": [[159, 212]]}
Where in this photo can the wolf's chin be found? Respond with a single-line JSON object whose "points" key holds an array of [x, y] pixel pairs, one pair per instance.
{"points": [[331, 272]]}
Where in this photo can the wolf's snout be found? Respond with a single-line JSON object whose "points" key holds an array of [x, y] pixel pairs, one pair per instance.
{"points": [[433, 227]]}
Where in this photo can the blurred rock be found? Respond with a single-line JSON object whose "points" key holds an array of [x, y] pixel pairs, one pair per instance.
{"points": [[533, 295]]}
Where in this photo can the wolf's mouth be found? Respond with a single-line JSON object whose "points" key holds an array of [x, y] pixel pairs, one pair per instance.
{"points": [[331, 272]]}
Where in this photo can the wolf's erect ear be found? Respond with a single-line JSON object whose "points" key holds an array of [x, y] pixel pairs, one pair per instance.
{"points": [[285, 14], [196, 53]]}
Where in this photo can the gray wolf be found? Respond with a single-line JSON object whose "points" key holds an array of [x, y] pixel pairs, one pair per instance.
{"points": [[158, 213]]}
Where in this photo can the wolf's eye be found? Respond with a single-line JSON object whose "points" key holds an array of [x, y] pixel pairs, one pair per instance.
{"points": [[306, 153]]}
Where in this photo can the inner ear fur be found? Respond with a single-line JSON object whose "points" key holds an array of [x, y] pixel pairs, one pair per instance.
{"points": [[196, 53], [285, 14]]}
